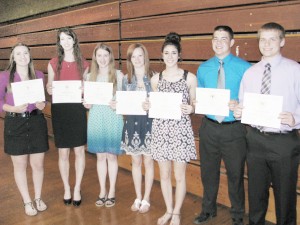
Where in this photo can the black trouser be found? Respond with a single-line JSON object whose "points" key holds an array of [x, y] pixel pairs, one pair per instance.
{"points": [[272, 159], [227, 142]]}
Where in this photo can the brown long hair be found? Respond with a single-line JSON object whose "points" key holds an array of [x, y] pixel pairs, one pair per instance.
{"points": [[12, 67], [61, 53], [111, 66], [130, 67]]}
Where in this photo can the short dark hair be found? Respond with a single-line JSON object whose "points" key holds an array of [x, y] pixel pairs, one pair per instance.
{"points": [[226, 29], [273, 26]]}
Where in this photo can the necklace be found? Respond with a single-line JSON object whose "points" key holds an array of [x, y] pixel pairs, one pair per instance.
{"points": [[68, 64]]}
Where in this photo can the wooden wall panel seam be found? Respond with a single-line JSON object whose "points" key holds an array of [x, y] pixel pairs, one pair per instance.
{"points": [[178, 6], [212, 10], [249, 21], [57, 21]]}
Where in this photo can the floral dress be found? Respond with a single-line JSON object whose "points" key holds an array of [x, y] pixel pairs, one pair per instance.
{"points": [[173, 139]]}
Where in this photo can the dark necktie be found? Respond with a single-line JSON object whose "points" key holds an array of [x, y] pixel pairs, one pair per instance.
{"points": [[221, 85]]}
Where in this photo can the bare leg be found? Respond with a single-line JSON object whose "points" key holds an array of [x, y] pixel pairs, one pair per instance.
{"points": [[112, 162], [20, 164], [79, 169], [137, 175], [149, 176], [179, 173], [37, 165], [166, 188], [64, 167], [102, 172]]}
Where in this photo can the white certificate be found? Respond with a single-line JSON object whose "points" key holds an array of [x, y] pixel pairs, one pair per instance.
{"points": [[165, 105], [29, 91], [130, 102], [212, 101], [98, 93], [262, 110], [68, 91]]}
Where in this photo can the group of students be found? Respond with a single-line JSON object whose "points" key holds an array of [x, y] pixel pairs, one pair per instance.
{"points": [[272, 154]]}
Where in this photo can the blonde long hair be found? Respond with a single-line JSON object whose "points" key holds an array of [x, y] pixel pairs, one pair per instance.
{"points": [[111, 66]]}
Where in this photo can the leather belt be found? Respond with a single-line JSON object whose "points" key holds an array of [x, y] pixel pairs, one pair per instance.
{"points": [[24, 114], [266, 133]]}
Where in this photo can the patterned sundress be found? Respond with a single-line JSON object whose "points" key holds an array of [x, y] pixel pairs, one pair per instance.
{"points": [[173, 139], [136, 138], [105, 126]]}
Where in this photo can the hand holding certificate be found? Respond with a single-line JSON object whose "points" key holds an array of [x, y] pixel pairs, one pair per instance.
{"points": [[99, 93], [66, 91], [212, 101], [130, 102], [29, 91], [262, 110], [165, 105]]}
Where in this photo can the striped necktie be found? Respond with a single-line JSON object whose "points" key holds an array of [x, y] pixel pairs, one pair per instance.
{"points": [[221, 85], [266, 80], [265, 85]]}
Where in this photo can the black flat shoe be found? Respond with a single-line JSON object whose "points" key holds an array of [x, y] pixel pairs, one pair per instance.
{"points": [[76, 203], [68, 201]]}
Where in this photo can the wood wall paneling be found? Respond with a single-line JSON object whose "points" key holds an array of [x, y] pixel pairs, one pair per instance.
{"points": [[41, 65], [250, 20], [142, 8], [3, 64], [8, 42], [105, 32], [109, 12], [20, 9]]}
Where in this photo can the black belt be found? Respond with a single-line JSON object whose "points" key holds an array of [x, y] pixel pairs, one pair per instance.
{"points": [[266, 133], [24, 114], [222, 123]]}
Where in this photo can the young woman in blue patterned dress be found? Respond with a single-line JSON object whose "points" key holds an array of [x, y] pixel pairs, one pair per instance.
{"points": [[173, 140], [136, 136], [104, 125]]}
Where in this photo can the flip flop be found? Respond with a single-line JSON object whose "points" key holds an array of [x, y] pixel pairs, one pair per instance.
{"points": [[145, 206], [100, 201], [110, 202], [136, 205]]}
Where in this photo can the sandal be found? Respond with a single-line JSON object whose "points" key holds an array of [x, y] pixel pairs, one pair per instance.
{"points": [[40, 204], [110, 202], [175, 219], [164, 219], [29, 209], [101, 201], [145, 206], [136, 205]]}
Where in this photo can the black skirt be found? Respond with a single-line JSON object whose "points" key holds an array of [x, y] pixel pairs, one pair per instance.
{"points": [[69, 121], [24, 136]]}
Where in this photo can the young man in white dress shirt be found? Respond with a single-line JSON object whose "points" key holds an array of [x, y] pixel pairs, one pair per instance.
{"points": [[273, 154]]}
